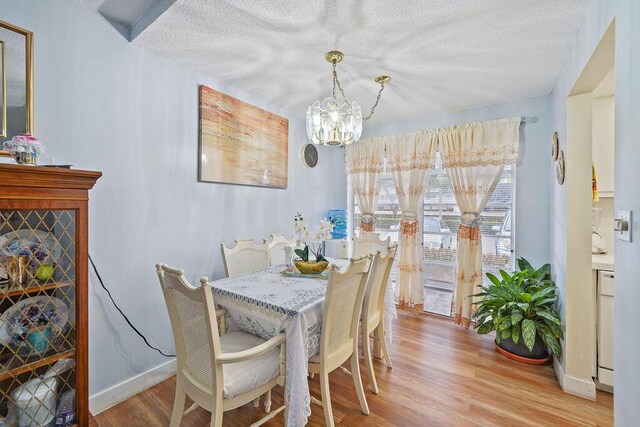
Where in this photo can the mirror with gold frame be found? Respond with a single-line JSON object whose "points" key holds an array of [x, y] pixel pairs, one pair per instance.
{"points": [[16, 82]]}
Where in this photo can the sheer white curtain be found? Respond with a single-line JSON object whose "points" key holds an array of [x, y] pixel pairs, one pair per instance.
{"points": [[365, 163], [474, 156], [409, 158]]}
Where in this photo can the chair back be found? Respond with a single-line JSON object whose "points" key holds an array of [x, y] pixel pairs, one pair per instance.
{"points": [[369, 244], [341, 312], [373, 307], [289, 251], [244, 257], [195, 330], [276, 244]]}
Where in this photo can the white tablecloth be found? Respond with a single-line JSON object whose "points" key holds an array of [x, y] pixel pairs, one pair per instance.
{"points": [[265, 303]]}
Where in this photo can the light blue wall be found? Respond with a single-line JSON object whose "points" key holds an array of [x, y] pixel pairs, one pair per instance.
{"points": [[591, 31], [106, 105], [627, 176], [532, 172]]}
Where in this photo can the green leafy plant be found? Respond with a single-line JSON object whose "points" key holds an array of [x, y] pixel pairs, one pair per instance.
{"points": [[520, 305], [304, 254]]}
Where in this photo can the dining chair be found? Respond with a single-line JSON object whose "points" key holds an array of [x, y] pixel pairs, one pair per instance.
{"points": [[276, 244], [339, 334], [373, 311], [369, 244], [218, 373], [289, 251], [244, 257]]}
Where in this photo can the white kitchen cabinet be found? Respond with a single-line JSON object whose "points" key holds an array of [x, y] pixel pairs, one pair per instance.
{"points": [[603, 125], [605, 289]]}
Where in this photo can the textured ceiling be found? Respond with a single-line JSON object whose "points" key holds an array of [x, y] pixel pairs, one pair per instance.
{"points": [[442, 55]]}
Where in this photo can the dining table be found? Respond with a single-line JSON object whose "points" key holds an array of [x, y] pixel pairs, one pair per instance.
{"points": [[272, 300]]}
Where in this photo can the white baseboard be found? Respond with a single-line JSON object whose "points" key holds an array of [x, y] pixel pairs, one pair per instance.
{"points": [[120, 392], [577, 386]]}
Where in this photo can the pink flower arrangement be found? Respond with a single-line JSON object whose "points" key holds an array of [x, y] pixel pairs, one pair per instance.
{"points": [[24, 144]]}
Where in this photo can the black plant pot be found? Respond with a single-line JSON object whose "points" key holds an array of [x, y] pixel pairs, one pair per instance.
{"points": [[521, 353]]}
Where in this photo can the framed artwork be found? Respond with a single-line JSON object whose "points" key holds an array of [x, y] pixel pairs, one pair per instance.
{"points": [[555, 146], [241, 143], [16, 82]]}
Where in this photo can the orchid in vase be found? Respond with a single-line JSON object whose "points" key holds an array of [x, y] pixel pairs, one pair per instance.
{"points": [[313, 245]]}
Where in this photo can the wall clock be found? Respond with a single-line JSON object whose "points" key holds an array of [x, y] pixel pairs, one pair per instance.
{"points": [[309, 155], [555, 146], [560, 167]]}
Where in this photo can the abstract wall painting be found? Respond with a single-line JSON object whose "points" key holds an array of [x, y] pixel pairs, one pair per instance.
{"points": [[240, 143]]}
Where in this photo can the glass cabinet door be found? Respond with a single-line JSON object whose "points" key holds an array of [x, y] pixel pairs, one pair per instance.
{"points": [[38, 317]]}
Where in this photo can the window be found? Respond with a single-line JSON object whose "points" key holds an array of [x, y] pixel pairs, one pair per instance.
{"points": [[441, 219]]}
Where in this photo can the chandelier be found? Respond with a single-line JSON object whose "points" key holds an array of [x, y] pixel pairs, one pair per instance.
{"points": [[338, 121]]}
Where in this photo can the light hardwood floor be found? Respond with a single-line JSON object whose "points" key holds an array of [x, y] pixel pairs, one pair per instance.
{"points": [[442, 376]]}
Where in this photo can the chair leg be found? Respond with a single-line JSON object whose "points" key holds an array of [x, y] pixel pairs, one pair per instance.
{"points": [[178, 405], [377, 350], [368, 361], [216, 419], [357, 382], [326, 399], [286, 414], [256, 402], [217, 411], [267, 402], [383, 344]]}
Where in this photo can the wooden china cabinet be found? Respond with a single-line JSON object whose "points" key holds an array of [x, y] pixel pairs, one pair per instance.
{"points": [[43, 294]]}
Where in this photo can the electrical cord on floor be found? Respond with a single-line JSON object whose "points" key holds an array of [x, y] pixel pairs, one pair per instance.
{"points": [[124, 315]]}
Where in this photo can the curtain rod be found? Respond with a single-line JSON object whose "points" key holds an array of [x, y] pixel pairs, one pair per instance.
{"points": [[526, 119]]}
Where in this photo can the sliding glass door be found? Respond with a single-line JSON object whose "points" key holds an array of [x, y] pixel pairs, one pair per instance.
{"points": [[439, 226]]}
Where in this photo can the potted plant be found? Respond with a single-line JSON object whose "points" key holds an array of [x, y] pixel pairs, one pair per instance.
{"points": [[312, 245], [520, 308]]}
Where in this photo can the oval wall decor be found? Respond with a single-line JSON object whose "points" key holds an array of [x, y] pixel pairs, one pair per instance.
{"points": [[309, 155], [555, 146], [560, 168]]}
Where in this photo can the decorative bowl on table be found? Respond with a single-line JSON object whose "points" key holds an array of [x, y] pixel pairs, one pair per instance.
{"points": [[311, 267]]}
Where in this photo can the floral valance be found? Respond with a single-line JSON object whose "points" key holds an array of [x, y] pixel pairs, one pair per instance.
{"points": [[365, 156], [411, 151], [414, 151], [492, 143]]}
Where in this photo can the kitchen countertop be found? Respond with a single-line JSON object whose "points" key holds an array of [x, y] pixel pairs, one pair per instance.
{"points": [[602, 262]]}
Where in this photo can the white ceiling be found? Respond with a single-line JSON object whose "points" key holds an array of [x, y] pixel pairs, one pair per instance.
{"points": [[442, 55]]}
